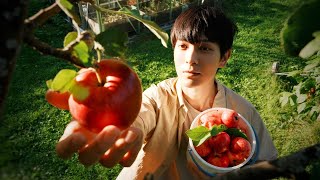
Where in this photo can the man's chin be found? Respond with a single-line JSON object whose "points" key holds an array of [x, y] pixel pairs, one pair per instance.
{"points": [[189, 83]]}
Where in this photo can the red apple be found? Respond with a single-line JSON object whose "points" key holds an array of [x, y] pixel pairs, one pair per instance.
{"points": [[235, 158], [220, 161], [211, 118], [57, 99], [220, 143], [241, 146], [230, 118], [109, 94], [204, 149]]}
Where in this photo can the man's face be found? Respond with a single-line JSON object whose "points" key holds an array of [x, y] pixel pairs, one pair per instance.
{"points": [[197, 64]]}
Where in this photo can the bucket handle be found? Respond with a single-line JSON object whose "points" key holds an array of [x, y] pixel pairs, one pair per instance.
{"points": [[256, 154], [199, 167]]}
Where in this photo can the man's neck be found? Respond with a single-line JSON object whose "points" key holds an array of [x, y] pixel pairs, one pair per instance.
{"points": [[201, 97]]}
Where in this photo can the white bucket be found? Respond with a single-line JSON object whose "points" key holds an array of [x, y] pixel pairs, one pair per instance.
{"points": [[211, 170]]}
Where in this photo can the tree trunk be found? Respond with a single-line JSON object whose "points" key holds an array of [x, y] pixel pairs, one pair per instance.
{"points": [[12, 15]]}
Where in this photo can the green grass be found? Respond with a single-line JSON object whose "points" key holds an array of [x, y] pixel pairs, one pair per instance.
{"points": [[30, 127]]}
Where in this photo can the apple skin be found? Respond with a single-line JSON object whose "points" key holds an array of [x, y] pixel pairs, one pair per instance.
{"points": [[220, 160], [230, 118], [211, 118], [235, 158], [204, 149], [241, 146], [57, 99], [220, 143], [114, 101]]}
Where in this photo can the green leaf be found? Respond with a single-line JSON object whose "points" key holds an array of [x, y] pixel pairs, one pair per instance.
{"points": [[316, 34], [293, 73], [114, 42], [301, 98], [69, 9], [153, 27], [307, 85], [81, 51], [311, 48], [63, 80], [301, 107], [197, 133], [49, 83], [311, 66], [293, 100], [71, 36], [202, 140], [236, 132], [216, 129], [79, 92], [314, 112], [284, 99]]}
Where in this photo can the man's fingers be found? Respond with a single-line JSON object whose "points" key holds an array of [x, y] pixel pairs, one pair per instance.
{"points": [[70, 145], [132, 154], [70, 141], [74, 138], [126, 143], [102, 142]]}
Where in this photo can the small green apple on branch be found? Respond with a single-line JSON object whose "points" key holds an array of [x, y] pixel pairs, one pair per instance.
{"points": [[98, 93]]}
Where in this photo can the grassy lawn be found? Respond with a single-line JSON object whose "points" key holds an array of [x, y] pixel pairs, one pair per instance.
{"points": [[30, 127]]}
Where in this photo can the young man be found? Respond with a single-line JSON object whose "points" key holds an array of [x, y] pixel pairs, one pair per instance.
{"points": [[202, 38]]}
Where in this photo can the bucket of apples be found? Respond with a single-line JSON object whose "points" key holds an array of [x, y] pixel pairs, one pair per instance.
{"points": [[221, 140]]}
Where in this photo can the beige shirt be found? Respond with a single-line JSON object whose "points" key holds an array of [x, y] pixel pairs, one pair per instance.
{"points": [[164, 117]]}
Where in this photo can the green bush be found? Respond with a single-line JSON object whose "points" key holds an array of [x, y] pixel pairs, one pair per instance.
{"points": [[300, 25]]}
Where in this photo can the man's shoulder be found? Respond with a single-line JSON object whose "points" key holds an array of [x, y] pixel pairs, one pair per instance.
{"points": [[166, 87], [235, 99]]}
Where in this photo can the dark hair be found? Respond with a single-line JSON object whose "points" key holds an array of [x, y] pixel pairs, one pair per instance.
{"points": [[207, 22]]}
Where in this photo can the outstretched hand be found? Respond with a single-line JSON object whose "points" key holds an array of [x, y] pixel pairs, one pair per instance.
{"points": [[110, 147]]}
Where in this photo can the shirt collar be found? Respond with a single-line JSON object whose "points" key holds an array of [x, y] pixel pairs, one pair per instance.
{"points": [[219, 100], [179, 93]]}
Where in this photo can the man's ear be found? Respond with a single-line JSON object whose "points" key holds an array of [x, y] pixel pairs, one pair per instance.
{"points": [[224, 59]]}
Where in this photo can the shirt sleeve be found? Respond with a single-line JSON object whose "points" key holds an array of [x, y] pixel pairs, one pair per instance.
{"points": [[146, 119], [267, 149]]}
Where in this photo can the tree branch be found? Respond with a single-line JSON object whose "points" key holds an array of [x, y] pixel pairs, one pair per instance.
{"points": [[46, 49], [39, 19]]}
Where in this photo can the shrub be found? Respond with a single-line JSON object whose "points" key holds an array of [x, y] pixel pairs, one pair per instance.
{"points": [[299, 26]]}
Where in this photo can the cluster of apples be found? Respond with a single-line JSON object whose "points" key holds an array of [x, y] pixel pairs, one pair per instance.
{"points": [[100, 95], [223, 149]]}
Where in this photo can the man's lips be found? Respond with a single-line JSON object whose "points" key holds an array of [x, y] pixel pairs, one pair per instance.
{"points": [[191, 72]]}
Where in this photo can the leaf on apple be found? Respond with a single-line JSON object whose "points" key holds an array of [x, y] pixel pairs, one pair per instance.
{"points": [[63, 81], [216, 129], [69, 9], [79, 92], [113, 41], [197, 133], [200, 134], [236, 132]]}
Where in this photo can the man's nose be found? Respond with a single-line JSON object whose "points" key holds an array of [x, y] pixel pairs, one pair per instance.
{"points": [[192, 56]]}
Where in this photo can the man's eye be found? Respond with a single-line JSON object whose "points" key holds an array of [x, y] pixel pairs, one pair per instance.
{"points": [[203, 48], [182, 46]]}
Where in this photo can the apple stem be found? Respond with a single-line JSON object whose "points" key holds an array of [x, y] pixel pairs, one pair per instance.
{"points": [[99, 55], [97, 74]]}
